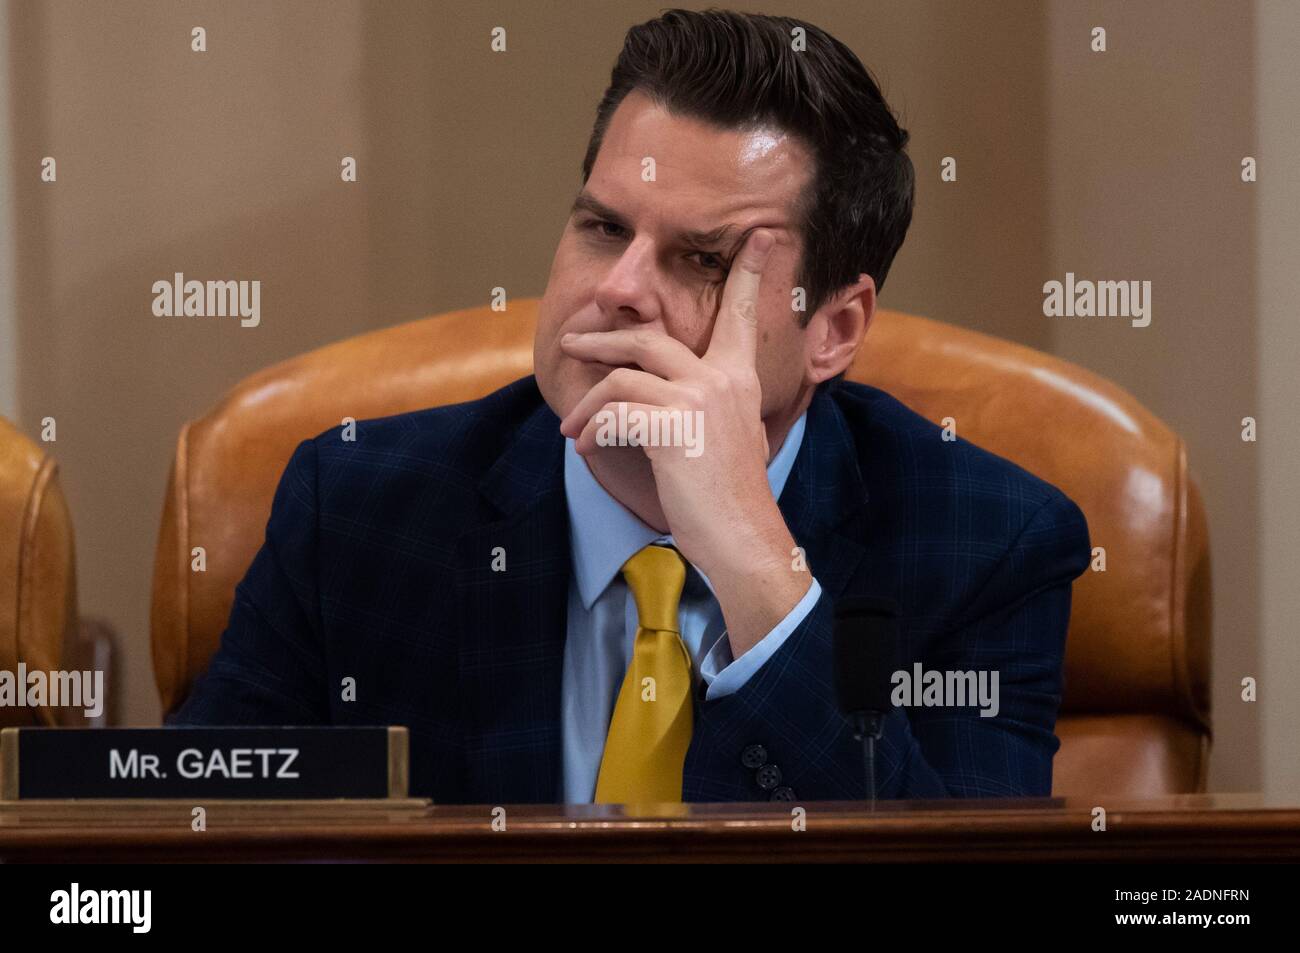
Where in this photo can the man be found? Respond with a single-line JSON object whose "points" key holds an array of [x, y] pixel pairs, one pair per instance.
{"points": [[561, 608]]}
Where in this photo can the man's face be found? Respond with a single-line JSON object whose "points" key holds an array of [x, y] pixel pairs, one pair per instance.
{"points": [[624, 262]]}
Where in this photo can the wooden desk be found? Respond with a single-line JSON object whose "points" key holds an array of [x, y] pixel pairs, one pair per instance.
{"points": [[1238, 827]]}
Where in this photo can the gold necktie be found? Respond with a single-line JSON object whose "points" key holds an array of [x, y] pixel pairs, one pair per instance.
{"points": [[651, 728]]}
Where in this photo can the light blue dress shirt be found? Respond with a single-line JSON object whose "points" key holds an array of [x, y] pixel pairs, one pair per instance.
{"points": [[602, 620]]}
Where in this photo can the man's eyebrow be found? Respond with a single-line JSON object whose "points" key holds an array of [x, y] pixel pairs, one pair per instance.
{"points": [[586, 202], [694, 239], [709, 239]]}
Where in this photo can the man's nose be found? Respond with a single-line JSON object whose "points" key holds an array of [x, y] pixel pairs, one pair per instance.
{"points": [[629, 287]]}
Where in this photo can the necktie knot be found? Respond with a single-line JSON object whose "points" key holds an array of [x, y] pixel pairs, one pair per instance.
{"points": [[656, 575]]}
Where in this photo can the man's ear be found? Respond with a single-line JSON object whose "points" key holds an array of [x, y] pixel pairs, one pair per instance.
{"points": [[836, 330]]}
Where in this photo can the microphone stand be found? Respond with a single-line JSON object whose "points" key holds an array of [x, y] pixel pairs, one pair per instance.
{"points": [[867, 727]]}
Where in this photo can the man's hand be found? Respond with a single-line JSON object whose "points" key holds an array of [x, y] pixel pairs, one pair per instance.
{"points": [[718, 504]]}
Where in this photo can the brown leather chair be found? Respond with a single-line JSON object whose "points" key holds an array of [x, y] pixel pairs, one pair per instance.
{"points": [[38, 580], [1135, 718]]}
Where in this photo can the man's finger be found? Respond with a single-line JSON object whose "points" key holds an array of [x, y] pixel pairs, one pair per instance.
{"points": [[621, 384], [735, 333], [588, 440], [653, 351]]}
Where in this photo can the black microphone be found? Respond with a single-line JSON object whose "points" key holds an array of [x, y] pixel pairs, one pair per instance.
{"points": [[866, 657]]}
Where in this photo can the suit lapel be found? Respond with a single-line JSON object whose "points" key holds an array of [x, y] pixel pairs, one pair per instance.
{"points": [[824, 500], [512, 623]]}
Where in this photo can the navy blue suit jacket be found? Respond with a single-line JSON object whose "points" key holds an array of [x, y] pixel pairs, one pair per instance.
{"points": [[377, 565]]}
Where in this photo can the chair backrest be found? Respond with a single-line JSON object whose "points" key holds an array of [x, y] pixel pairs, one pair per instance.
{"points": [[1136, 714], [38, 590]]}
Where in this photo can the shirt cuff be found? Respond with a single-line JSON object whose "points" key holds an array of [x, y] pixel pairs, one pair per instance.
{"points": [[724, 675]]}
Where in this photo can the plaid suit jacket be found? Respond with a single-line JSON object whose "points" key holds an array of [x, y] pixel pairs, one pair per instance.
{"points": [[378, 566]]}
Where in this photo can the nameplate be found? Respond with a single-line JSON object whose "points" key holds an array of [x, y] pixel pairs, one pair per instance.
{"points": [[195, 763]]}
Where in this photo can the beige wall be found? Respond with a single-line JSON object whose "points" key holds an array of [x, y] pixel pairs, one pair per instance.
{"points": [[225, 164], [1277, 90]]}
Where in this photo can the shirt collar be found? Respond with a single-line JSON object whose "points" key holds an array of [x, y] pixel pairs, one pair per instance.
{"points": [[604, 534]]}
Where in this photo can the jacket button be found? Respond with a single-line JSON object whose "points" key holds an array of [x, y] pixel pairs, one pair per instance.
{"points": [[783, 794], [755, 756], [768, 776]]}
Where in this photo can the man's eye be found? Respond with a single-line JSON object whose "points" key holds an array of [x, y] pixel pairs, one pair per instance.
{"points": [[717, 263], [602, 225]]}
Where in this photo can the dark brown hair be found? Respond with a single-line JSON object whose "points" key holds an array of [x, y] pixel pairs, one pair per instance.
{"points": [[738, 71]]}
